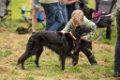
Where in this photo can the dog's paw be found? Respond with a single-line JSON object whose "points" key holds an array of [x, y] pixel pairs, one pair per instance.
{"points": [[22, 66], [74, 62]]}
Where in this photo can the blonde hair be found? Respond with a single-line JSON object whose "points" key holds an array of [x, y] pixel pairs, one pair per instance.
{"points": [[77, 17]]}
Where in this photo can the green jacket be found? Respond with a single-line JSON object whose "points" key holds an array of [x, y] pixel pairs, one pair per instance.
{"points": [[87, 23]]}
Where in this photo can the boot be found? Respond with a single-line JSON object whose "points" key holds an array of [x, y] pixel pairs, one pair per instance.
{"points": [[117, 71], [116, 74], [92, 60]]}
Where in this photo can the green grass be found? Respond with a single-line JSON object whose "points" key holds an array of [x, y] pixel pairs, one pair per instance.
{"points": [[49, 61], [5, 53], [50, 68]]}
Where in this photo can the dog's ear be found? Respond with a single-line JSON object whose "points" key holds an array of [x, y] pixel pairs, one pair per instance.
{"points": [[60, 33], [82, 29]]}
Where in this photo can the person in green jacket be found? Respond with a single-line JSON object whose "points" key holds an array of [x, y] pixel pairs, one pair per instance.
{"points": [[78, 19]]}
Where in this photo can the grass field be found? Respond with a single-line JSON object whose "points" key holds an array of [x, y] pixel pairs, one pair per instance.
{"points": [[13, 45]]}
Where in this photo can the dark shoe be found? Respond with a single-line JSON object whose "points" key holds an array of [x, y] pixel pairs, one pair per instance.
{"points": [[92, 60], [33, 33], [116, 74]]}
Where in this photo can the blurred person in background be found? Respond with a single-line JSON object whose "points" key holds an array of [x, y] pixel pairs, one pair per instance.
{"points": [[34, 7], [54, 14], [117, 48]]}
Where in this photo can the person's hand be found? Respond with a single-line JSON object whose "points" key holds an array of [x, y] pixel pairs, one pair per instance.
{"points": [[63, 31]]}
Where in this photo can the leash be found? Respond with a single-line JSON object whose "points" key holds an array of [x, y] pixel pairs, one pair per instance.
{"points": [[72, 35]]}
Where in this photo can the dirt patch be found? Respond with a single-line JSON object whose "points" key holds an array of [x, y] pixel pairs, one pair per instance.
{"points": [[17, 44], [3, 69], [2, 29], [97, 46]]}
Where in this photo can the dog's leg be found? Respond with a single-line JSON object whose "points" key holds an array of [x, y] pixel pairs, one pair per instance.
{"points": [[31, 49], [62, 60], [25, 56], [70, 55], [76, 53], [76, 57], [22, 59], [38, 55]]}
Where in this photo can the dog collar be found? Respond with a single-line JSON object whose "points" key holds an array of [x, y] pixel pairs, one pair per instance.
{"points": [[72, 35]]}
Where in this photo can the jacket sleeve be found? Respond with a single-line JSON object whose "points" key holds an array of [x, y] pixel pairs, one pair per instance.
{"points": [[69, 26], [89, 24]]}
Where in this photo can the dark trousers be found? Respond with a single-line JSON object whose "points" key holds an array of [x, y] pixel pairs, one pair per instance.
{"points": [[70, 9], [85, 48], [117, 48]]}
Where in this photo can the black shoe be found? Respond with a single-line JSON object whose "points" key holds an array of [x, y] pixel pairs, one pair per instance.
{"points": [[116, 74], [92, 60], [33, 33]]}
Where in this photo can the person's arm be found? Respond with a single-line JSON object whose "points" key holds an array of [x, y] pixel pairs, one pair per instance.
{"points": [[89, 24], [69, 26], [34, 15]]}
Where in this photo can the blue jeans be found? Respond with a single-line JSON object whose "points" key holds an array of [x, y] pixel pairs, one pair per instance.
{"points": [[117, 48], [54, 17], [65, 15], [36, 2]]}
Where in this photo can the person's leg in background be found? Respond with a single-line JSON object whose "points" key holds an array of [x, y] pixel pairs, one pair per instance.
{"points": [[2, 7], [50, 12], [7, 3], [59, 19], [117, 48], [108, 31], [65, 15], [70, 9], [34, 4]]}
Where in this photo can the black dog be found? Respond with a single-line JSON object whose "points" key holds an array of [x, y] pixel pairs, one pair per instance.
{"points": [[21, 30], [61, 43]]}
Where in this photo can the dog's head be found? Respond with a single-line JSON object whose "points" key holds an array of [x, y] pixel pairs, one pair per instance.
{"points": [[78, 31]]}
